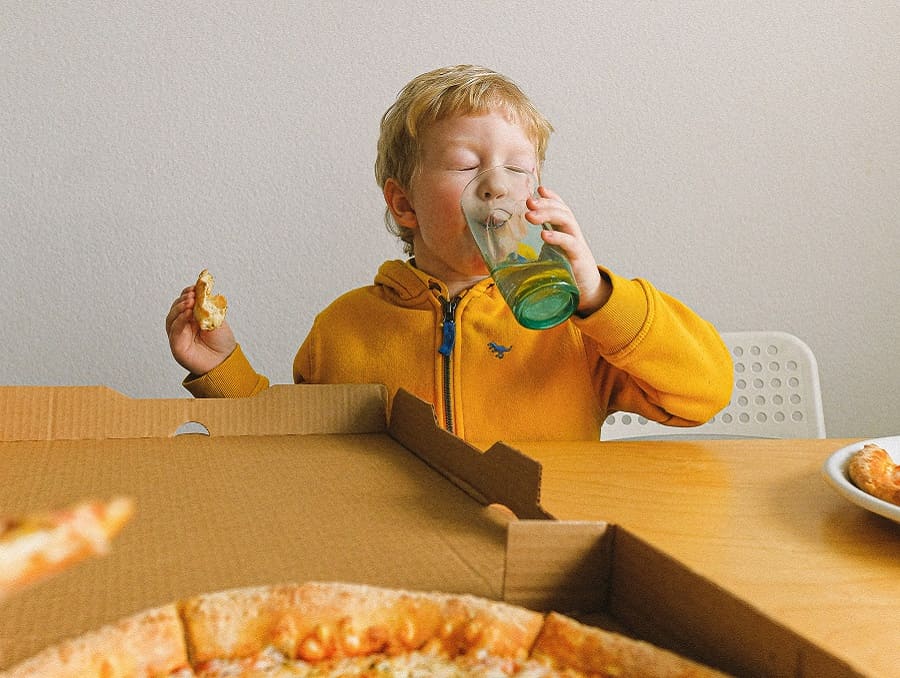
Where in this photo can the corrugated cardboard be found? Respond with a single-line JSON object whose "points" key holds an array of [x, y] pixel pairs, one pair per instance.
{"points": [[310, 482]]}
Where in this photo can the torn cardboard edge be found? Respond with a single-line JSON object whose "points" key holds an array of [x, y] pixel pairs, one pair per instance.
{"points": [[500, 475]]}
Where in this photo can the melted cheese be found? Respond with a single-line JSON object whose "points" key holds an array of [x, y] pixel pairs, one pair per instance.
{"points": [[271, 664]]}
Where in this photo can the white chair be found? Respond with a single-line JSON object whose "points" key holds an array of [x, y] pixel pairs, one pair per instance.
{"points": [[776, 395]]}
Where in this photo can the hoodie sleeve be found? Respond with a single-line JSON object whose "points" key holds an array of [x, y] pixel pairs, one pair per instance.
{"points": [[659, 358]]}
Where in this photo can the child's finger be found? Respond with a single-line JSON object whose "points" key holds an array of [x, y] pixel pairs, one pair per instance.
{"points": [[545, 192]]}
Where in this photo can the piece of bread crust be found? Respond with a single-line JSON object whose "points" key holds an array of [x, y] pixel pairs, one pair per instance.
{"points": [[209, 309], [150, 643], [872, 470], [318, 620], [566, 643]]}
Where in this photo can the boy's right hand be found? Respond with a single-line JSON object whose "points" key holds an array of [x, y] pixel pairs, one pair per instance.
{"points": [[195, 350]]}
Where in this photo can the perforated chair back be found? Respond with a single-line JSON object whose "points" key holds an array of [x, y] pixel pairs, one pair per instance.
{"points": [[776, 395]]}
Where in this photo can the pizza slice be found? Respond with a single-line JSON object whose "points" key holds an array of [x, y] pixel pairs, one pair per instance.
{"points": [[37, 545]]}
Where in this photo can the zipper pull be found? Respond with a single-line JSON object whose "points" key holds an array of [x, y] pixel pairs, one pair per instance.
{"points": [[448, 326]]}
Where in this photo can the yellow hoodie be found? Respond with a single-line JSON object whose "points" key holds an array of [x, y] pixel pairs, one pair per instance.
{"points": [[491, 379]]}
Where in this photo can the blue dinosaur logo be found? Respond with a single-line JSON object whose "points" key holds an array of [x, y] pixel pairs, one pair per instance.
{"points": [[498, 350]]}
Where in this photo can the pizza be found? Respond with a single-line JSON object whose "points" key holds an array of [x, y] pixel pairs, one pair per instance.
{"points": [[37, 545], [338, 629], [873, 471]]}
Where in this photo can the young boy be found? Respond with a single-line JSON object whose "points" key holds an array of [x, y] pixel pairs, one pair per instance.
{"points": [[437, 326]]}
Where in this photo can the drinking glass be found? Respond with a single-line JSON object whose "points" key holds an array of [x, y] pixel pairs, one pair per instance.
{"points": [[534, 278]]}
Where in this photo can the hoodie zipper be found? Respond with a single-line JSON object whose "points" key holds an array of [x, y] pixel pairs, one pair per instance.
{"points": [[448, 328]]}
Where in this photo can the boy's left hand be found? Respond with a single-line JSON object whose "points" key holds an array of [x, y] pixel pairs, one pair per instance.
{"points": [[549, 208]]}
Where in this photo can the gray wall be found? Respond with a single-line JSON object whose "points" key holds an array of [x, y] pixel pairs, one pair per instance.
{"points": [[745, 157]]}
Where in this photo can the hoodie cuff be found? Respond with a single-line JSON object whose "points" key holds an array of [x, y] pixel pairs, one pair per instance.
{"points": [[622, 319], [234, 377]]}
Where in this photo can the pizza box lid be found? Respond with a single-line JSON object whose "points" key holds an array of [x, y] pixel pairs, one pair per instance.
{"points": [[312, 482]]}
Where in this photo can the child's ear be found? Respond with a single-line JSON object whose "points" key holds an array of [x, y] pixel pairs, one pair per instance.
{"points": [[399, 204]]}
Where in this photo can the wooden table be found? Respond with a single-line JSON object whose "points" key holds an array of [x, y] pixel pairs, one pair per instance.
{"points": [[755, 517]]}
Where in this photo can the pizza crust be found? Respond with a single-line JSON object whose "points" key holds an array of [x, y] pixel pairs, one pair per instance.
{"points": [[150, 643], [566, 643], [316, 621]]}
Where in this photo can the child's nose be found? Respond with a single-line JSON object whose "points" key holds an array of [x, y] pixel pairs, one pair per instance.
{"points": [[494, 186]]}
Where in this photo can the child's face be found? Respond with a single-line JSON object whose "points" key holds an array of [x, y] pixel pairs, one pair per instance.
{"points": [[454, 150]]}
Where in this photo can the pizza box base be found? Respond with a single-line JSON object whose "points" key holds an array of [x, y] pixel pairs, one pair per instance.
{"points": [[312, 483]]}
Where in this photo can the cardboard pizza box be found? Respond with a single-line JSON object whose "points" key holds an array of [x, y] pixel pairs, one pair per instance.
{"points": [[313, 483]]}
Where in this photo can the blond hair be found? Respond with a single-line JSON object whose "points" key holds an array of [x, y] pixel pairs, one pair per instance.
{"points": [[440, 94]]}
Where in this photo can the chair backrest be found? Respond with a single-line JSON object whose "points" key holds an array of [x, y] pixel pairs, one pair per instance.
{"points": [[776, 395]]}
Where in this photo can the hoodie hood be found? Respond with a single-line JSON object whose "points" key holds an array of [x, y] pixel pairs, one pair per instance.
{"points": [[405, 285]]}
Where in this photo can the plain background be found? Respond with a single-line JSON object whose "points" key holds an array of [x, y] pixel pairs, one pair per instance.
{"points": [[744, 157]]}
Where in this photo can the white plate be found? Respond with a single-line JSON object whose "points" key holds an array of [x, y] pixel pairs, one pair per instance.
{"points": [[835, 472]]}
